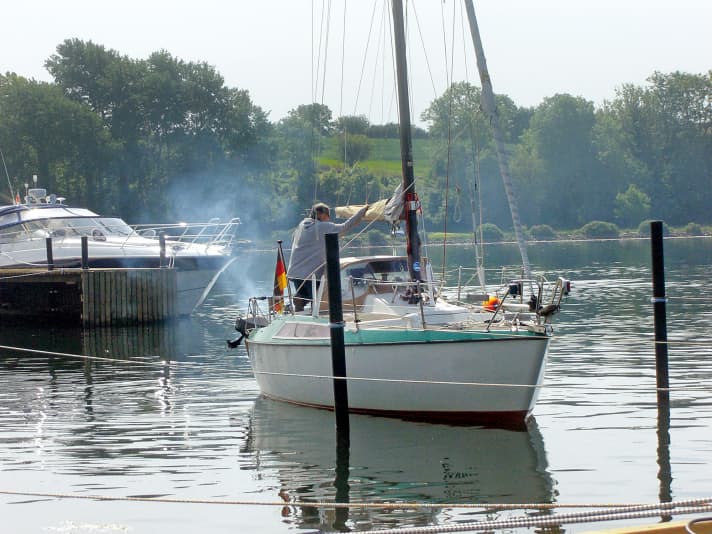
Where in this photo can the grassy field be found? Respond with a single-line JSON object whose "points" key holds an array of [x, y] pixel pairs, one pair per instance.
{"points": [[385, 156]]}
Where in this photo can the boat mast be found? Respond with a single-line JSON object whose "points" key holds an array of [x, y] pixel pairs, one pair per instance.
{"points": [[406, 143], [490, 108]]}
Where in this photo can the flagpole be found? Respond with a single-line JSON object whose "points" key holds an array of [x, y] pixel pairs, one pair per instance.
{"points": [[286, 274]]}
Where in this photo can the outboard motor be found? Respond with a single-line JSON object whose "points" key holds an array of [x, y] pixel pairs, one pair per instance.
{"points": [[245, 325]]}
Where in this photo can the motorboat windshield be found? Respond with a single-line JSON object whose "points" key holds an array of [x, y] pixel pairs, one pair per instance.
{"points": [[41, 223]]}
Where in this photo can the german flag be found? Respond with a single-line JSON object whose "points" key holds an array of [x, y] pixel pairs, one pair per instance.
{"points": [[280, 282]]}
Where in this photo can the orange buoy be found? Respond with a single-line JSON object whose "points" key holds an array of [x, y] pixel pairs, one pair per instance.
{"points": [[491, 303]]}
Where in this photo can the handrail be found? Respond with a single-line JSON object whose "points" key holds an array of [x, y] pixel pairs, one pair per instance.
{"points": [[212, 232]]}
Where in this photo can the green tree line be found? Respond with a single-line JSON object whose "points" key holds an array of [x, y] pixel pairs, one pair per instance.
{"points": [[161, 139]]}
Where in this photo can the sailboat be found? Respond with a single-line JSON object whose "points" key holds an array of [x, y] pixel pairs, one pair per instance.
{"points": [[410, 351]]}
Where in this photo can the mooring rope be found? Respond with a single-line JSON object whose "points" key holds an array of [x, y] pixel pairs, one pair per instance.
{"points": [[161, 364], [614, 507], [546, 521], [598, 511], [164, 364], [703, 299], [398, 380], [34, 273], [683, 342]]}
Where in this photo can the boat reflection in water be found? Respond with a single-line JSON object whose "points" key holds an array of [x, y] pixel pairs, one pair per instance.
{"points": [[391, 460]]}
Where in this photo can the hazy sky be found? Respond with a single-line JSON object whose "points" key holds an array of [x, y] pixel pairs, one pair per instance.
{"points": [[534, 48]]}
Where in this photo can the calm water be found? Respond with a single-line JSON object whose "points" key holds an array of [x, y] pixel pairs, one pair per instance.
{"points": [[177, 415]]}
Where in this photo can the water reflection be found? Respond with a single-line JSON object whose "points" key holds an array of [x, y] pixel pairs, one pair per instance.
{"points": [[391, 460], [156, 341], [664, 468], [116, 401]]}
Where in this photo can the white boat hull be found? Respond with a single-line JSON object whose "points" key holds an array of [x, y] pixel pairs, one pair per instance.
{"points": [[456, 376], [197, 267]]}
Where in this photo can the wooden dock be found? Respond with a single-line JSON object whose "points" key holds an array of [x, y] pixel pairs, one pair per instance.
{"points": [[88, 297]]}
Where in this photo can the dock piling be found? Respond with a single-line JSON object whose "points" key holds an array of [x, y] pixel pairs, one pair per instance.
{"points": [[162, 245], [336, 327], [659, 305], [659, 301], [338, 364], [50, 257], [85, 252]]}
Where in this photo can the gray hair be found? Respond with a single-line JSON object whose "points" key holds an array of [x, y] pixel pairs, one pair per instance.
{"points": [[317, 208]]}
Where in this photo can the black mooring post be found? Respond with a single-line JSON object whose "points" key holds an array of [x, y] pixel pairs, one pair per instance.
{"points": [[162, 245], [85, 252], [50, 258], [661, 364], [659, 300], [336, 324]]}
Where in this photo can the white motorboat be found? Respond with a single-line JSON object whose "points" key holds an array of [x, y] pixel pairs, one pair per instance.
{"points": [[198, 252]]}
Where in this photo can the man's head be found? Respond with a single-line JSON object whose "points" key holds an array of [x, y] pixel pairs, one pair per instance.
{"points": [[320, 212]]}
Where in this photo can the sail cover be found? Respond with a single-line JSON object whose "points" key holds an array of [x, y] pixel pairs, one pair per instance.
{"points": [[387, 209]]}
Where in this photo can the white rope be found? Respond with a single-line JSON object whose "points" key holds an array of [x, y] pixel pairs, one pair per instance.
{"points": [[568, 386], [162, 364], [396, 380], [703, 299], [86, 357], [34, 273], [683, 342], [598, 512], [610, 507], [547, 521]]}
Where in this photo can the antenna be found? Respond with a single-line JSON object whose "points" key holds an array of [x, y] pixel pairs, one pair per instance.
{"points": [[9, 183]]}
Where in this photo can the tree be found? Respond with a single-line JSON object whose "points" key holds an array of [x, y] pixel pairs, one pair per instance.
{"points": [[567, 186], [632, 206], [664, 138], [317, 116], [111, 85], [352, 124], [465, 158], [172, 121], [45, 133]]}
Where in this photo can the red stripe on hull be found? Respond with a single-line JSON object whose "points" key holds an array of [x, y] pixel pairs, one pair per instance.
{"points": [[513, 420]]}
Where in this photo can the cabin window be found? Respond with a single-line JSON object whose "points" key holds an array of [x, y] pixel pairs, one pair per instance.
{"points": [[361, 275], [378, 274], [395, 270], [303, 330], [8, 218], [115, 226], [9, 234]]}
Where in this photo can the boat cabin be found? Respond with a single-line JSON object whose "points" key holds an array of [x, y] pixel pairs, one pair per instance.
{"points": [[371, 275]]}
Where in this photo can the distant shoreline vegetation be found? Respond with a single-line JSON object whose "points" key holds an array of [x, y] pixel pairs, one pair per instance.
{"points": [[162, 139], [591, 231], [597, 230]]}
